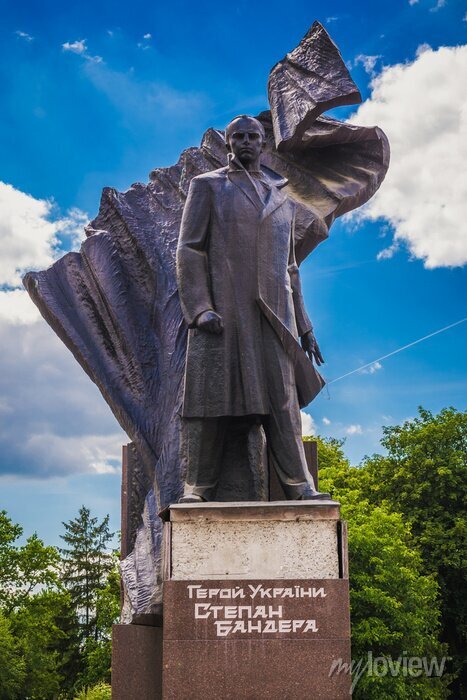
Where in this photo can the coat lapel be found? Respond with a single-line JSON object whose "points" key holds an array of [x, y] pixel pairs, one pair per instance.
{"points": [[276, 199], [240, 180]]}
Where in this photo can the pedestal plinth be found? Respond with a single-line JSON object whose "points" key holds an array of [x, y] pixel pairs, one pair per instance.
{"points": [[136, 662], [256, 602]]}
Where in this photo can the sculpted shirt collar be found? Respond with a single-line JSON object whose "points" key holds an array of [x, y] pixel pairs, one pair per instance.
{"points": [[264, 175]]}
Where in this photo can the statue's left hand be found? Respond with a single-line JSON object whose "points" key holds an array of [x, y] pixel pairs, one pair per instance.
{"points": [[310, 346], [210, 322]]}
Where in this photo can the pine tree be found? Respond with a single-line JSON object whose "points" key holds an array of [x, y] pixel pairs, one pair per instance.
{"points": [[68, 647], [87, 562]]}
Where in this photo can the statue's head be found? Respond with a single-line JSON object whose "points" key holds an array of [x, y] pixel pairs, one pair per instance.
{"points": [[245, 137]]}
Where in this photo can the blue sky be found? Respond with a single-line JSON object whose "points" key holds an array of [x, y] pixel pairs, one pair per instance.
{"points": [[98, 94]]}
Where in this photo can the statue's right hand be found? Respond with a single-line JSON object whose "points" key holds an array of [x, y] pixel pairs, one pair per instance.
{"points": [[210, 322]]}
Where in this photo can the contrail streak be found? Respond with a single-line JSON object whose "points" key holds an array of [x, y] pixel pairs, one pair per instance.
{"points": [[394, 352]]}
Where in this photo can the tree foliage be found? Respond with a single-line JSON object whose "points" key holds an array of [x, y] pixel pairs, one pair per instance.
{"points": [[49, 647], [87, 564], [423, 476], [29, 592], [35, 626], [97, 653], [23, 568], [101, 691], [12, 666], [394, 603]]}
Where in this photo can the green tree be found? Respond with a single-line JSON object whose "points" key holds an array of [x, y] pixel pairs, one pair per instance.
{"points": [[53, 640], [12, 666], [9, 533], [394, 604], [423, 476], [97, 653], [35, 627], [23, 569], [29, 595], [101, 691], [67, 645], [90, 576], [86, 564]]}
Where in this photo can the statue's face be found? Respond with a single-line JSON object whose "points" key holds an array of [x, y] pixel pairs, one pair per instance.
{"points": [[246, 140]]}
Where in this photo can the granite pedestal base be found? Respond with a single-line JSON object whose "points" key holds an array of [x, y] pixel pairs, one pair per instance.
{"points": [[256, 602], [136, 662]]}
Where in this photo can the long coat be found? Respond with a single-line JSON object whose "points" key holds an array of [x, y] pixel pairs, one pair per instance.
{"points": [[236, 256]]}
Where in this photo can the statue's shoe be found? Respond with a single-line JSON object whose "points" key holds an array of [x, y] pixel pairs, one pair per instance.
{"points": [[192, 498], [314, 496]]}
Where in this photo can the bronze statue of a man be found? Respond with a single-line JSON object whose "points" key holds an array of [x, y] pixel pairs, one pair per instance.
{"points": [[240, 293]]}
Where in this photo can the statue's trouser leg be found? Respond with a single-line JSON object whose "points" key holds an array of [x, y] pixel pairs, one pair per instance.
{"points": [[283, 426], [202, 441]]}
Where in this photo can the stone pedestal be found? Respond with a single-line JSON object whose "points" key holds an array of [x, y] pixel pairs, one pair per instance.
{"points": [[256, 602], [136, 662]]}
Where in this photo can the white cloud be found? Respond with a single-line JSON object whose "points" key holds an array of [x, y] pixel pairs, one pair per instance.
{"points": [[435, 8], [438, 6], [53, 420], [421, 48], [71, 227], [389, 252], [30, 233], [24, 35], [326, 421], [145, 44], [28, 236], [354, 430], [331, 19], [16, 307], [372, 368], [368, 62], [99, 454], [422, 107], [78, 47], [308, 424]]}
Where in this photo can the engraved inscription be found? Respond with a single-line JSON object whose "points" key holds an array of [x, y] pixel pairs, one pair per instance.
{"points": [[234, 618]]}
